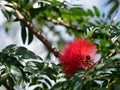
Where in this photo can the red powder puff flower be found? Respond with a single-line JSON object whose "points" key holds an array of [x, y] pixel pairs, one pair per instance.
{"points": [[77, 54]]}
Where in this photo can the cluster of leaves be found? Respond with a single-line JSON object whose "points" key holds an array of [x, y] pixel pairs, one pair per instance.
{"points": [[114, 7], [104, 75], [19, 65], [75, 16]]}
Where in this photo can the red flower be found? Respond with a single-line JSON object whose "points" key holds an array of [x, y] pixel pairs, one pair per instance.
{"points": [[77, 54]]}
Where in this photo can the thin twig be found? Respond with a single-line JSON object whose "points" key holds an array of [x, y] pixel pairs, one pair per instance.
{"points": [[38, 34], [113, 52], [7, 86], [67, 25], [90, 69]]}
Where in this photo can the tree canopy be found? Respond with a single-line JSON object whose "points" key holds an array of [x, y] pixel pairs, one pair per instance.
{"points": [[22, 68]]}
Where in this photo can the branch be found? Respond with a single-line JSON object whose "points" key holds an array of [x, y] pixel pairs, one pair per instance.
{"points": [[113, 52], [7, 86], [38, 34], [67, 25]]}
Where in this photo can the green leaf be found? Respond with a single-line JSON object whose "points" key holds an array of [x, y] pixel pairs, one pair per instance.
{"points": [[89, 12], [114, 8], [30, 55], [9, 48], [114, 33], [105, 83], [11, 81], [97, 22], [117, 87], [4, 78], [96, 11], [47, 81], [78, 11], [20, 50], [89, 32], [17, 74], [30, 37], [76, 82], [61, 86], [23, 33], [99, 66], [7, 14]]}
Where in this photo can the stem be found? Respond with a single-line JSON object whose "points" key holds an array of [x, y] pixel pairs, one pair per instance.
{"points": [[90, 69], [7, 86], [38, 34], [113, 52], [67, 25]]}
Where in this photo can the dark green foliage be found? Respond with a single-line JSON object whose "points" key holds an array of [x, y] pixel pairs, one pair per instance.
{"points": [[30, 37], [114, 7], [96, 11], [23, 33], [19, 65]]}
